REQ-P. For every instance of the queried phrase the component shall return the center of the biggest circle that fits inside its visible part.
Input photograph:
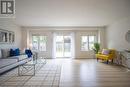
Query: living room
(63, 32)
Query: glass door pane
(91, 42)
(63, 46)
(67, 46)
(59, 46)
(42, 43)
(84, 43)
(35, 42)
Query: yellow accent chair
(108, 56)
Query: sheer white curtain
(72, 45)
(54, 46)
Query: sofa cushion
(6, 62)
(5, 53)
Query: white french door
(63, 46)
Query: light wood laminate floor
(70, 73)
(90, 73)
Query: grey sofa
(7, 63)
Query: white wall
(8, 24)
(102, 37)
(70, 12)
(116, 34)
(98, 31)
(25, 38)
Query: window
(39, 43)
(87, 42)
(84, 43)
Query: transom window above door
(39, 42)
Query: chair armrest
(99, 52)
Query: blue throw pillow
(17, 52)
(28, 52)
(11, 52)
(14, 52)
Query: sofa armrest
(13, 57)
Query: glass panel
(35, 42)
(59, 38)
(90, 46)
(63, 46)
(67, 46)
(42, 43)
(91, 42)
(39, 43)
(91, 39)
(59, 46)
(84, 43)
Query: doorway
(63, 46)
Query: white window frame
(39, 43)
(88, 43)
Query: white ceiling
(70, 12)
